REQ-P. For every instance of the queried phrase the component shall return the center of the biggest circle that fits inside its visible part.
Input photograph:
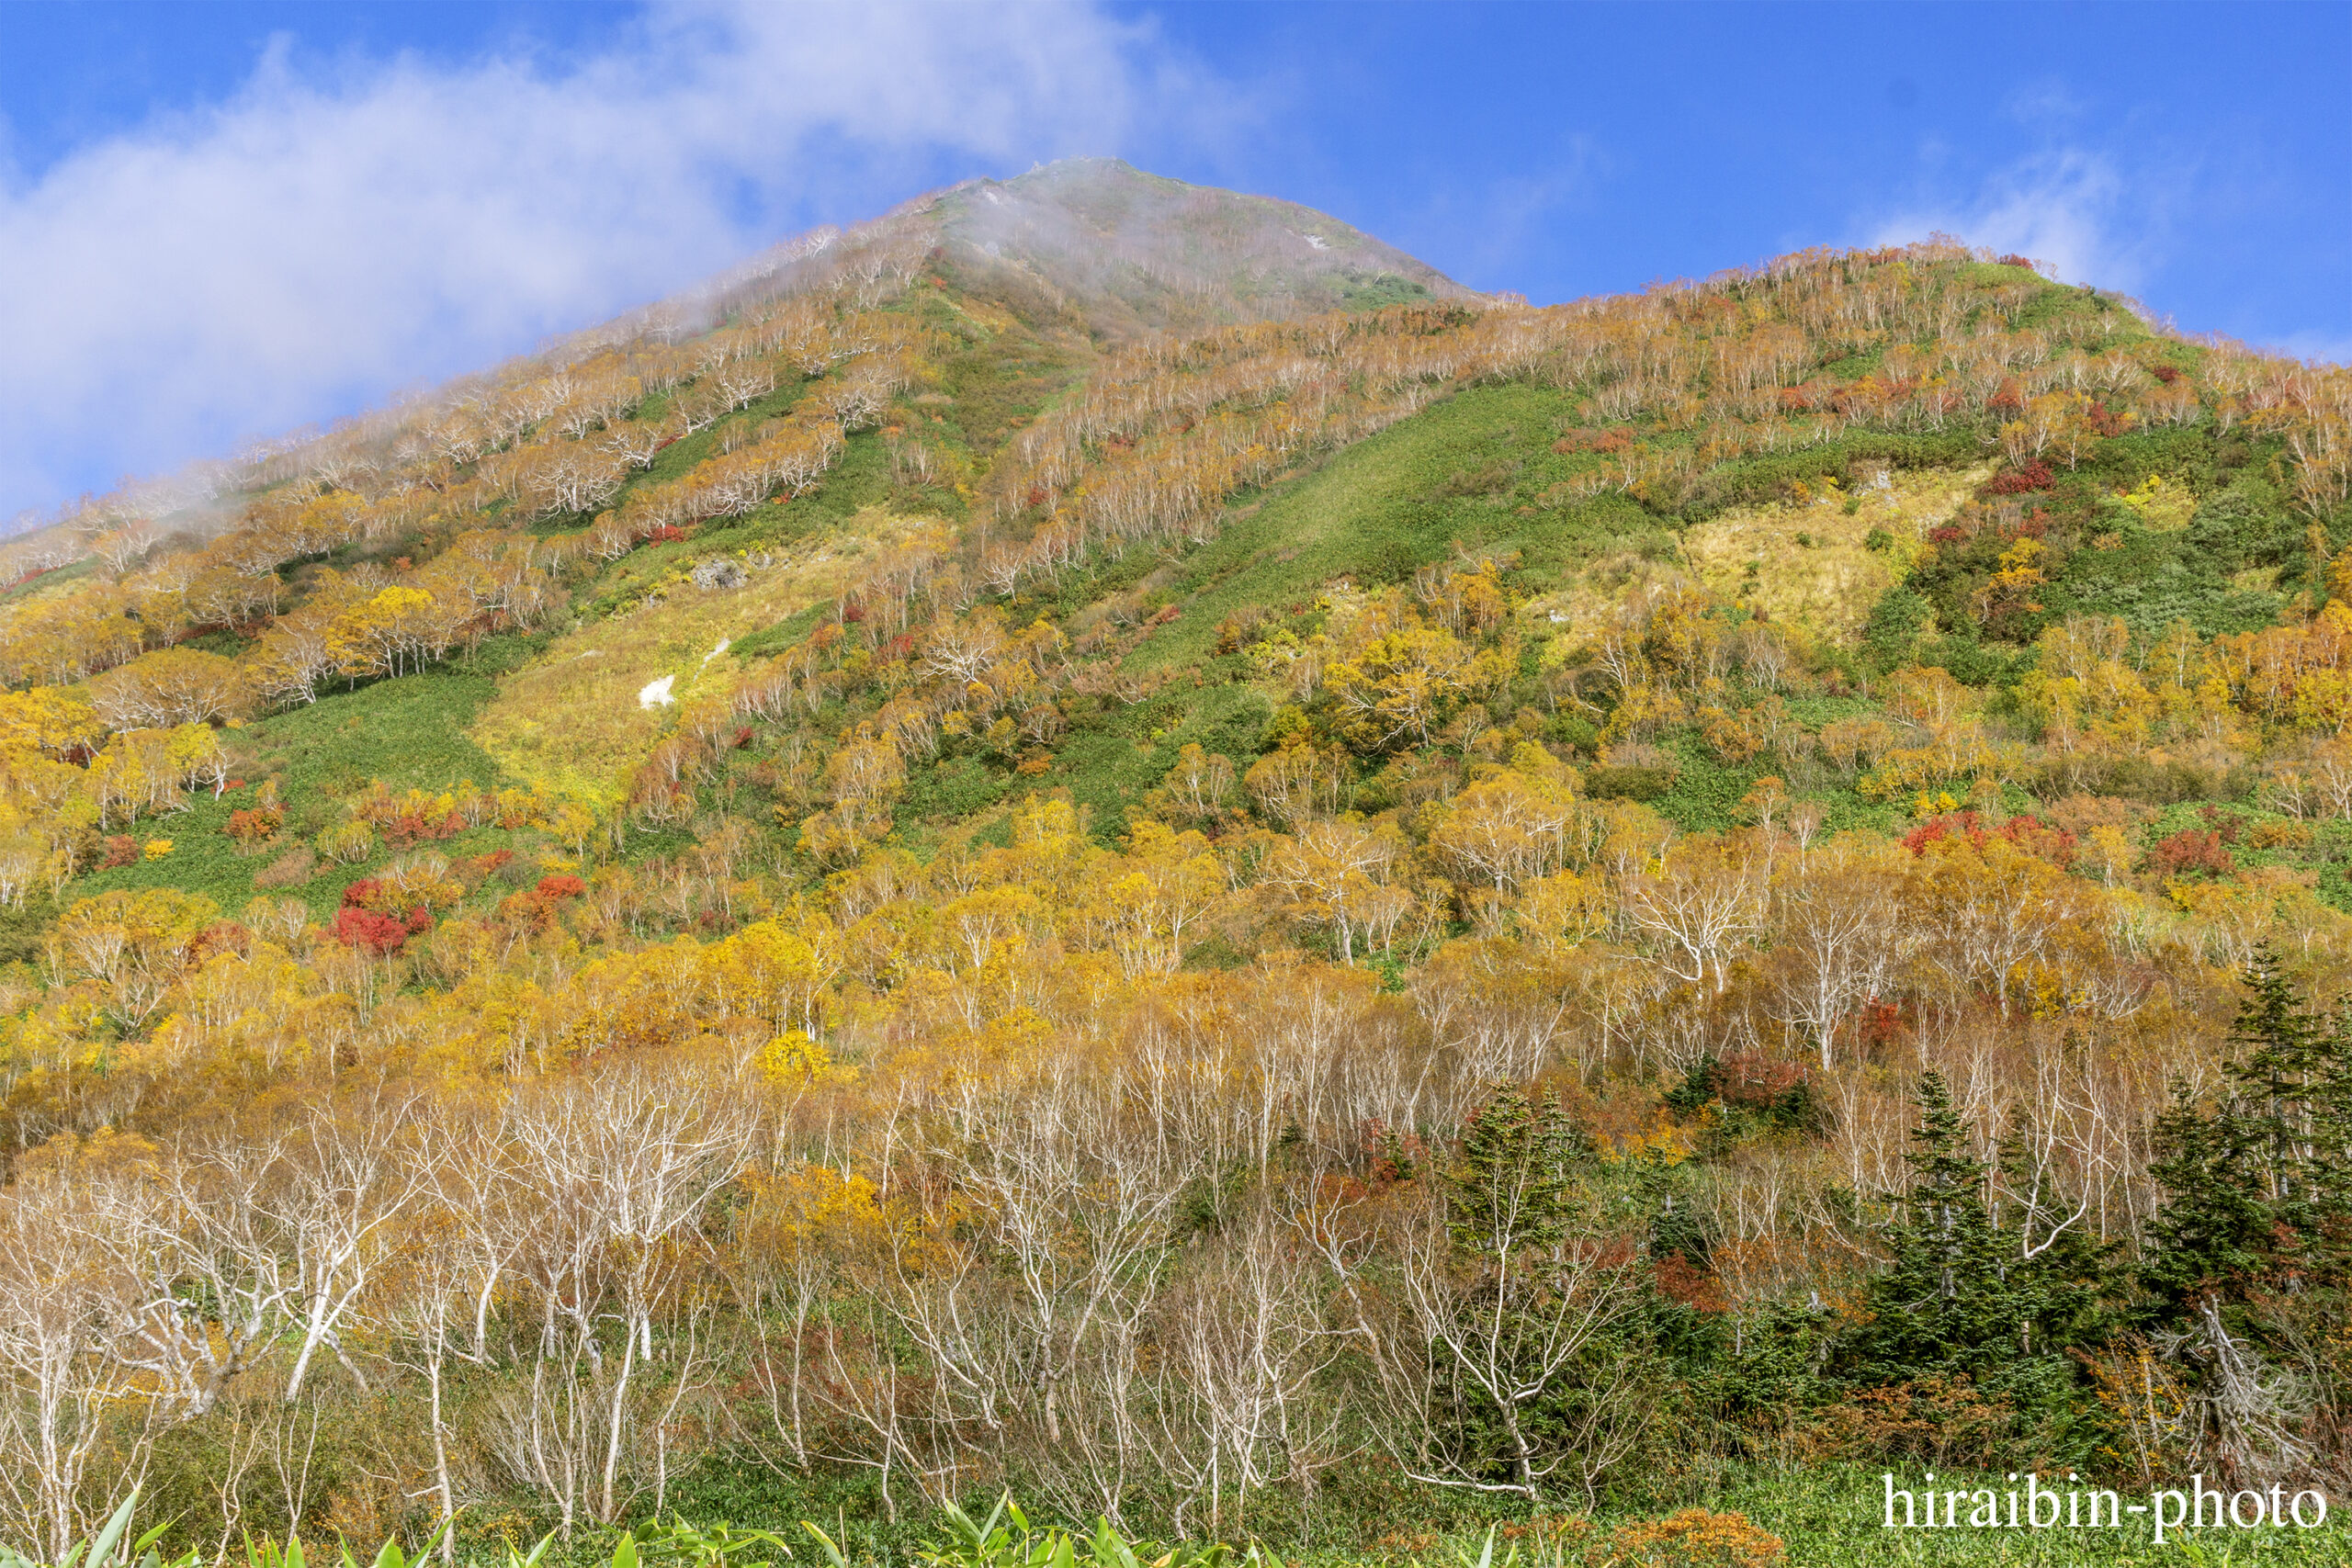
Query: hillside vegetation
(1103, 839)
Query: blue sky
(222, 221)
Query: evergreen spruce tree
(2331, 1136)
(1509, 1191)
(2061, 1275)
(2256, 1188)
(1538, 1328)
(2281, 1046)
(2249, 1246)
(2214, 1231)
(1947, 1304)
(1963, 1299)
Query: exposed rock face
(720, 571)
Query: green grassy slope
(1478, 473)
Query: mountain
(965, 860)
(1117, 252)
(1134, 252)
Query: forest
(1329, 927)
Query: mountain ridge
(893, 877)
(1170, 291)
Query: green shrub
(1607, 782)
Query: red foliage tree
(2190, 852)
(380, 934)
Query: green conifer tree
(2281, 1047)
(2331, 1134)
(1536, 1320)
(1944, 1305)
(1509, 1191)
(2255, 1186)
(1970, 1293)
(2214, 1233)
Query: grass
(783, 633)
(1828, 584)
(1004, 377)
(1378, 290)
(35, 586)
(2153, 579)
(1465, 471)
(1111, 759)
(1832, 1516)
(1112, 762)
(572, 722)
(857, 487)
(1826, 1516)
(410, 733)
(681, 456)
(952, 789)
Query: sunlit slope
(582, 716)
(1003, 792)
(1088, 418)
(1822, 560)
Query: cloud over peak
(2063, 206)
(329, 232)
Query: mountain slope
(924, 410)
(928, 400)
(1070, 766)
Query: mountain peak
(1133, 250)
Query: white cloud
(2045, 101)
(333, 231)
(2069, 208)
(2332, 348)
(1489, 229)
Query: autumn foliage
(1454, 1023)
